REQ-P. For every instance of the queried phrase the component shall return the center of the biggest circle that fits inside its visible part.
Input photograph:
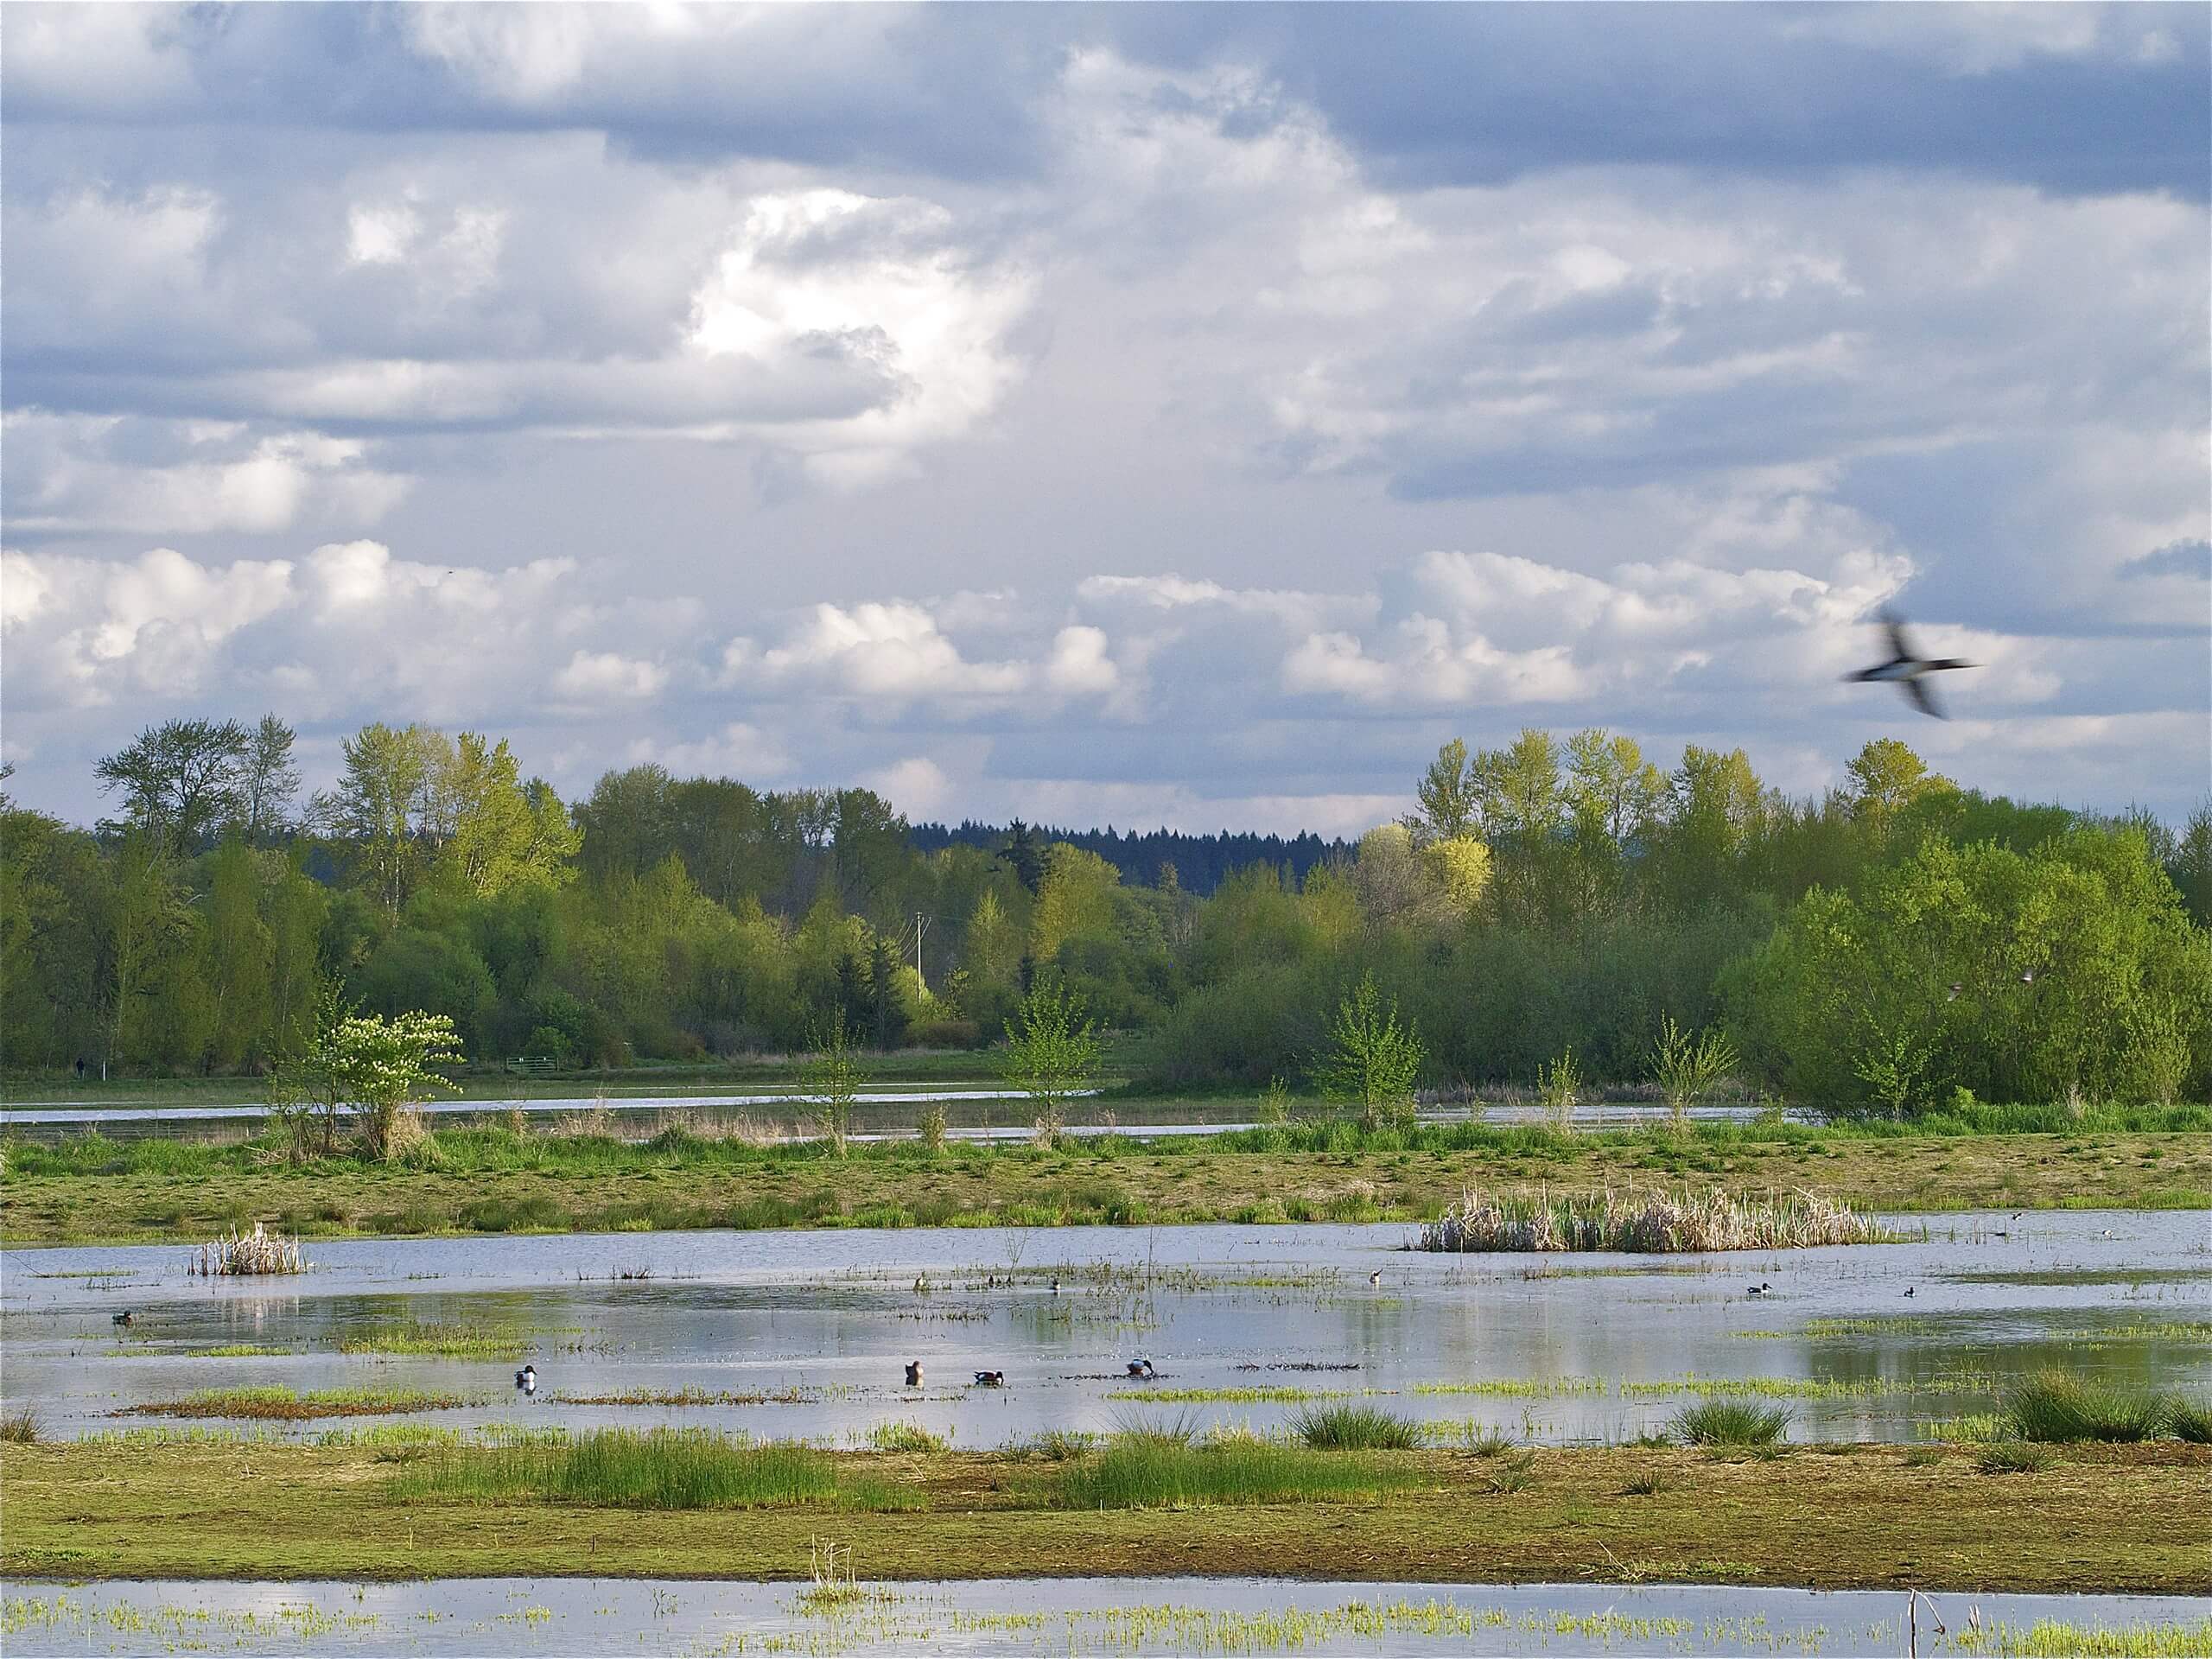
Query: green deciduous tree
(1373, 1060)
(376, 1065)
(1052, 1052)
(180, 780)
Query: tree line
(1881, 945)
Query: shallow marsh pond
(806, 1334)
(1062, 1616)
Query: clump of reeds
(258, 1252)
(830, 1568)
(1730, 1422)
(2191, 1419)
(2051, 1406)
(904, 1437)
(655, 1469)
(1645, 1222)
(2014, 1458)
(21, 1427)
(1350, 1427)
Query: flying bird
(1908, 670)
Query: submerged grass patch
(658, 1468)
(287, 1405)
(1646, 1223)
(441, 1341)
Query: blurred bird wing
(1893, 624)
(1922, 698)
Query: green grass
(21, 1427)
(2052, 1406)
(287, 1405)
(657, 1469)
(1140, 1474)
(90, 1187)
(1354, 1428)
(905, 1437)
(1730, 1422)
(2053, 1639)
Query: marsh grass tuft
(21, 1427)
(1349, 1427)
(905, 1437)
(1645, 1482)
(2014, 1458)
(1730, 1422)
(657, 1469)
(1643, 1223)
(2053, 1406)
(2191, 1419)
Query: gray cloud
(1080, 409)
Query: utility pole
(921, 927)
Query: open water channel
(1052, 1616)
(807, 1334)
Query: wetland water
(1039, 1616)
(805, 1334)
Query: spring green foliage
(376, 1065)
(832, 1078)
(1052, 1054)
(1686, 1067)
(1372, 1061)
(1556, 893)
(2076, 969)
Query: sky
(1139, 414)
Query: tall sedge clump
(1374, 1059)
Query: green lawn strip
(2105, 1519)
(166, 1191)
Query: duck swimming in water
(526, 1380)
(990, 1379)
